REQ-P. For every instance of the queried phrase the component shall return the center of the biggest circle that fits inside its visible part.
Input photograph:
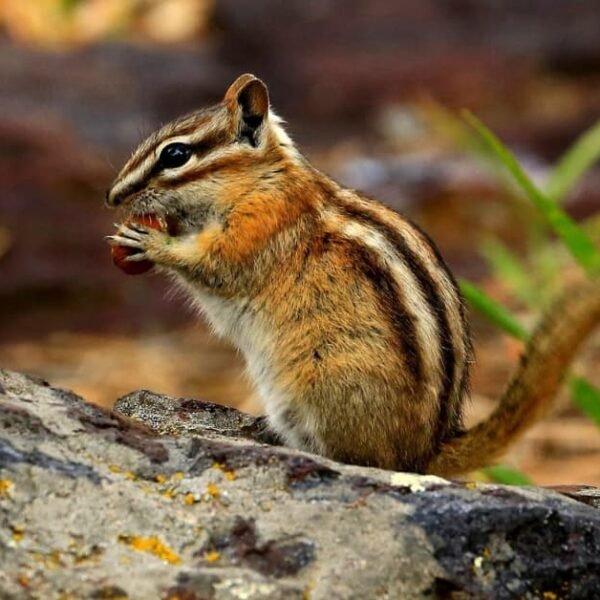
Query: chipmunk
(352, 326)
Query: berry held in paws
(125, 257)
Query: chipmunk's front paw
(146, 243)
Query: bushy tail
(549, 352)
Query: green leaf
(574, 163)
(507, 475)
(577, 241)
(494, 311)
(586, 396)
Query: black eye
(174, 155)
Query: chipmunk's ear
(248, 101)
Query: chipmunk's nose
(113, 198)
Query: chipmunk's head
(194, 166)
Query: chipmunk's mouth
(163, 221)
(176, 218)
(169, 223)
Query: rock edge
(171, 498)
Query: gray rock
(97, 504)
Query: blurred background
(372, 91)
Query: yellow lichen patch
(128, 474)
(6, 486)
(170, 493)
(17, 533)
(213, 490)
(229, 473)
(160, 479)
(212, 556)
(178, 476)
(23, 580)
(53, 560)
(90, 557)
(37, 556)
(309, 590)
(151, 545)
(470, 485)
(189, 499)
(549, 596)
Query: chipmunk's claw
(136, 257)
(119, 240)
(129, 236)
(147, 243)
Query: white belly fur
(246, 330)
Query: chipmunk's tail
(543, 365)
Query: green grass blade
(495, 312)
(586, 396)
(509, 269)
(574, 163)
(507, 475)
(577, 241)
(68, 6)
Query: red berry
(120, 253)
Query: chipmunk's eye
(174, 155)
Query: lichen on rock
(174, 498)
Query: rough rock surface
(96, 505)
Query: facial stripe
(128, 177)
(224, 161)
(148, 148)
(202, 142)
(197, 130)
(429, 290)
